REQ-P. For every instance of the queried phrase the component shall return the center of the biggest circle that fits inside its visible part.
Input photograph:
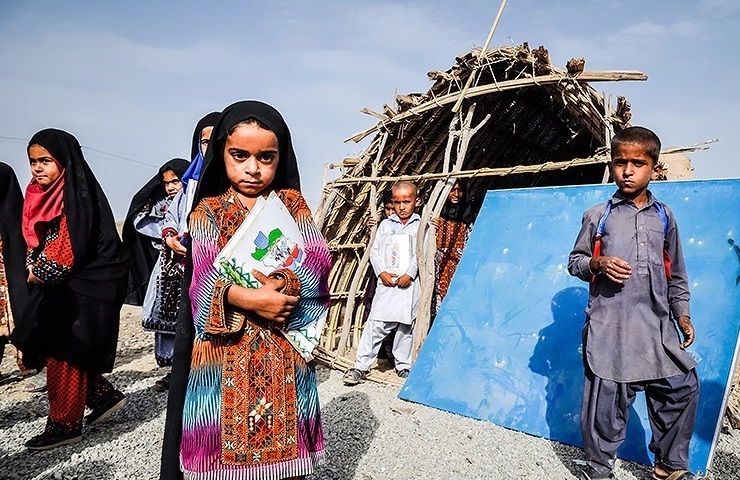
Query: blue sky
(132, 78)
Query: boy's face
(404, 201)
(632, 169)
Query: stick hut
(501, 118)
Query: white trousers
(372, 337)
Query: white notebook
(397, 256)
(267, 240)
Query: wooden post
(426, 248)
(349, 308)
(608, 132)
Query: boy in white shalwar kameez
(393, 257)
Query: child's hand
(687, 328)
(615, 269)
(174, 244)
(403, 281)
(387, 279)
(274, 283)
(371, 221)
(436, 221)
(270, 303)
(33, 278)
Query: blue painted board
(506, 344)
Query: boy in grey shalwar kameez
(630, 251)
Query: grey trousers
(671, 404)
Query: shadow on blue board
(506, 344)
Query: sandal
(162, 385)
(354, 376)
(675, 475)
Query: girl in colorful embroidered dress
(77, 266)
(452, 228)
(250, 409)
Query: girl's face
(44, 167)
(172, 183)
(205, 138)
(388, 209)
(251, 156)
(456, 194)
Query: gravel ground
(371, 435)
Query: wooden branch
(349, 308)
(481, 172)
(451, 98)
(379, 116)
(426, 249)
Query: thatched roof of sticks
(502, 118)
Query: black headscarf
(78, 320)
(213, 181)
(460, 211)
(14, 246)
(207, 121)
(142, 253)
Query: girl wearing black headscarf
(177, 213)
(143, 236)
(77, 267)
(452, 228)
(142, 229)
(13, 284)
(243, 402)
(160, 311)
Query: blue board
(506, 344)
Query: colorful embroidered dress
(252, 407)
(451, 238)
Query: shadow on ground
(349, 429)
(143, 406)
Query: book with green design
(267, 240)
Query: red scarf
(41, 206)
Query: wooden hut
(502, 118)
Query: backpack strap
(660, 209)
(666, 256)
(600, 232)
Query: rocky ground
(371, 435)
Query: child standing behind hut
(397, 297)
(452, 228)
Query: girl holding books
(243, 401)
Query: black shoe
(403, 373)
(589, 473)
(354, 376)
(47, 441)
(162, 385)
(116, 402)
